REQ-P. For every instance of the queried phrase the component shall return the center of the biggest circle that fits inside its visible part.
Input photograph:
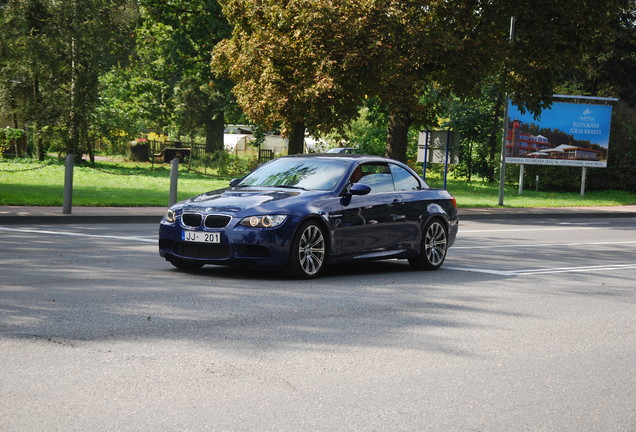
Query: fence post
(174, 176)
(68, 183)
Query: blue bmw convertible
(302, 212)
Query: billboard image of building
(567, 134)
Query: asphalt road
(529, 326)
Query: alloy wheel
(311, 250)
(435, 244)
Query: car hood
(235, 200)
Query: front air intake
(217, 221)
(192, 220)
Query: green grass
(107, 184)
(481, 194)
(122, 184)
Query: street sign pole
(502, 171)
(424, 164)
(448, 139)
(583, 177)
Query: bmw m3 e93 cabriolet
(300, 213)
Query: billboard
(567, 134)
(438, 147)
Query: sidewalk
(18, 215)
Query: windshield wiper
(290, 187)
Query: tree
(477, 120)
(308, 61)
(461, 44)
(601, 66)
(92, 35)
(367, 132)
(10, 136)
(175, 49)
(290, 62)
(25, 64)
(607, 68)
(127, 105)
(56, 52)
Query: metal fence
(158, 150)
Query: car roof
(349, 156)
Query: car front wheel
(308, 251)
(433, 247)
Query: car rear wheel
(185, 264)
(433, 247)
(308, 251)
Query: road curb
(16, 215)
(540, 215)
(80, 219)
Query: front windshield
(302, 173)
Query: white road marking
(513, 246)
(577, 269)
(478, 270)
(509, 273)
(75, 234)
(584, 223)
(545, 270)
(530, 229)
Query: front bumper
(266, 247)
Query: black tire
(433, 247)
(185, 264)
(308, 252)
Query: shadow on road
(98, 290)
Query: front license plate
(201, 237)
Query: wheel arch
(323, 225)
(294, 268)
(435, 211)
(424, 260)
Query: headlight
(265, 221)
(170, 216)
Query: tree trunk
(297, 138)
(14, 116)
(72, 138)
(39, 146)
(214, 133)
(397, 134)
(75, 91)
(87, 142)
(37, 137)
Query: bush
(621, 162)
(139, 151)
(10, 137)
(226, 164)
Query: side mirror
(359, 189)
(234, 182)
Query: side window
(404, 180)
(376, 176)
